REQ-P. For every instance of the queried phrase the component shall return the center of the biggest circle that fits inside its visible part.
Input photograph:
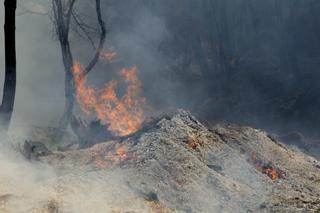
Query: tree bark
(69, 86)
(62, 20)
(9, 88)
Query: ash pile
(174, 164)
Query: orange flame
(266, 168)
(122, 116)
(111, 158)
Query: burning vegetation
(104, 159)
(266, 168)
(177, 165)
(122, 115)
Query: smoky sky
(39, 70)
(249, 62)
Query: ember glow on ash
(122, 115)
(266, 168)
(112, 157)
(191, 143)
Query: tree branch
(103, 33)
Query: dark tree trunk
(9, 88)
(62, 21)
(69, 86)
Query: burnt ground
(176, 165)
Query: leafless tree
(63, 12)
(9, 89)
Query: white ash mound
(174, 164)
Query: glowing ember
(191, 143)
(111, 158)
(100, 162)
(266, 168)
(121, 152)
(122, 116)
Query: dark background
(242, 61)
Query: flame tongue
(122, 116)
(268, 169)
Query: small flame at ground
(266, 168)
(112, 157)
(122, 116)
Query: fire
(122, 116)
(121, 152)
(114, 156)
(266, 168)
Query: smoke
(37, 187)
(225, 61)
(253, 63)
(40, 76)
(22, 182)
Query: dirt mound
(178, 165)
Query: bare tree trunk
(62, 22)
(69, 86)
(62, 16)
(9, 88)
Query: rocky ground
(173, 164)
